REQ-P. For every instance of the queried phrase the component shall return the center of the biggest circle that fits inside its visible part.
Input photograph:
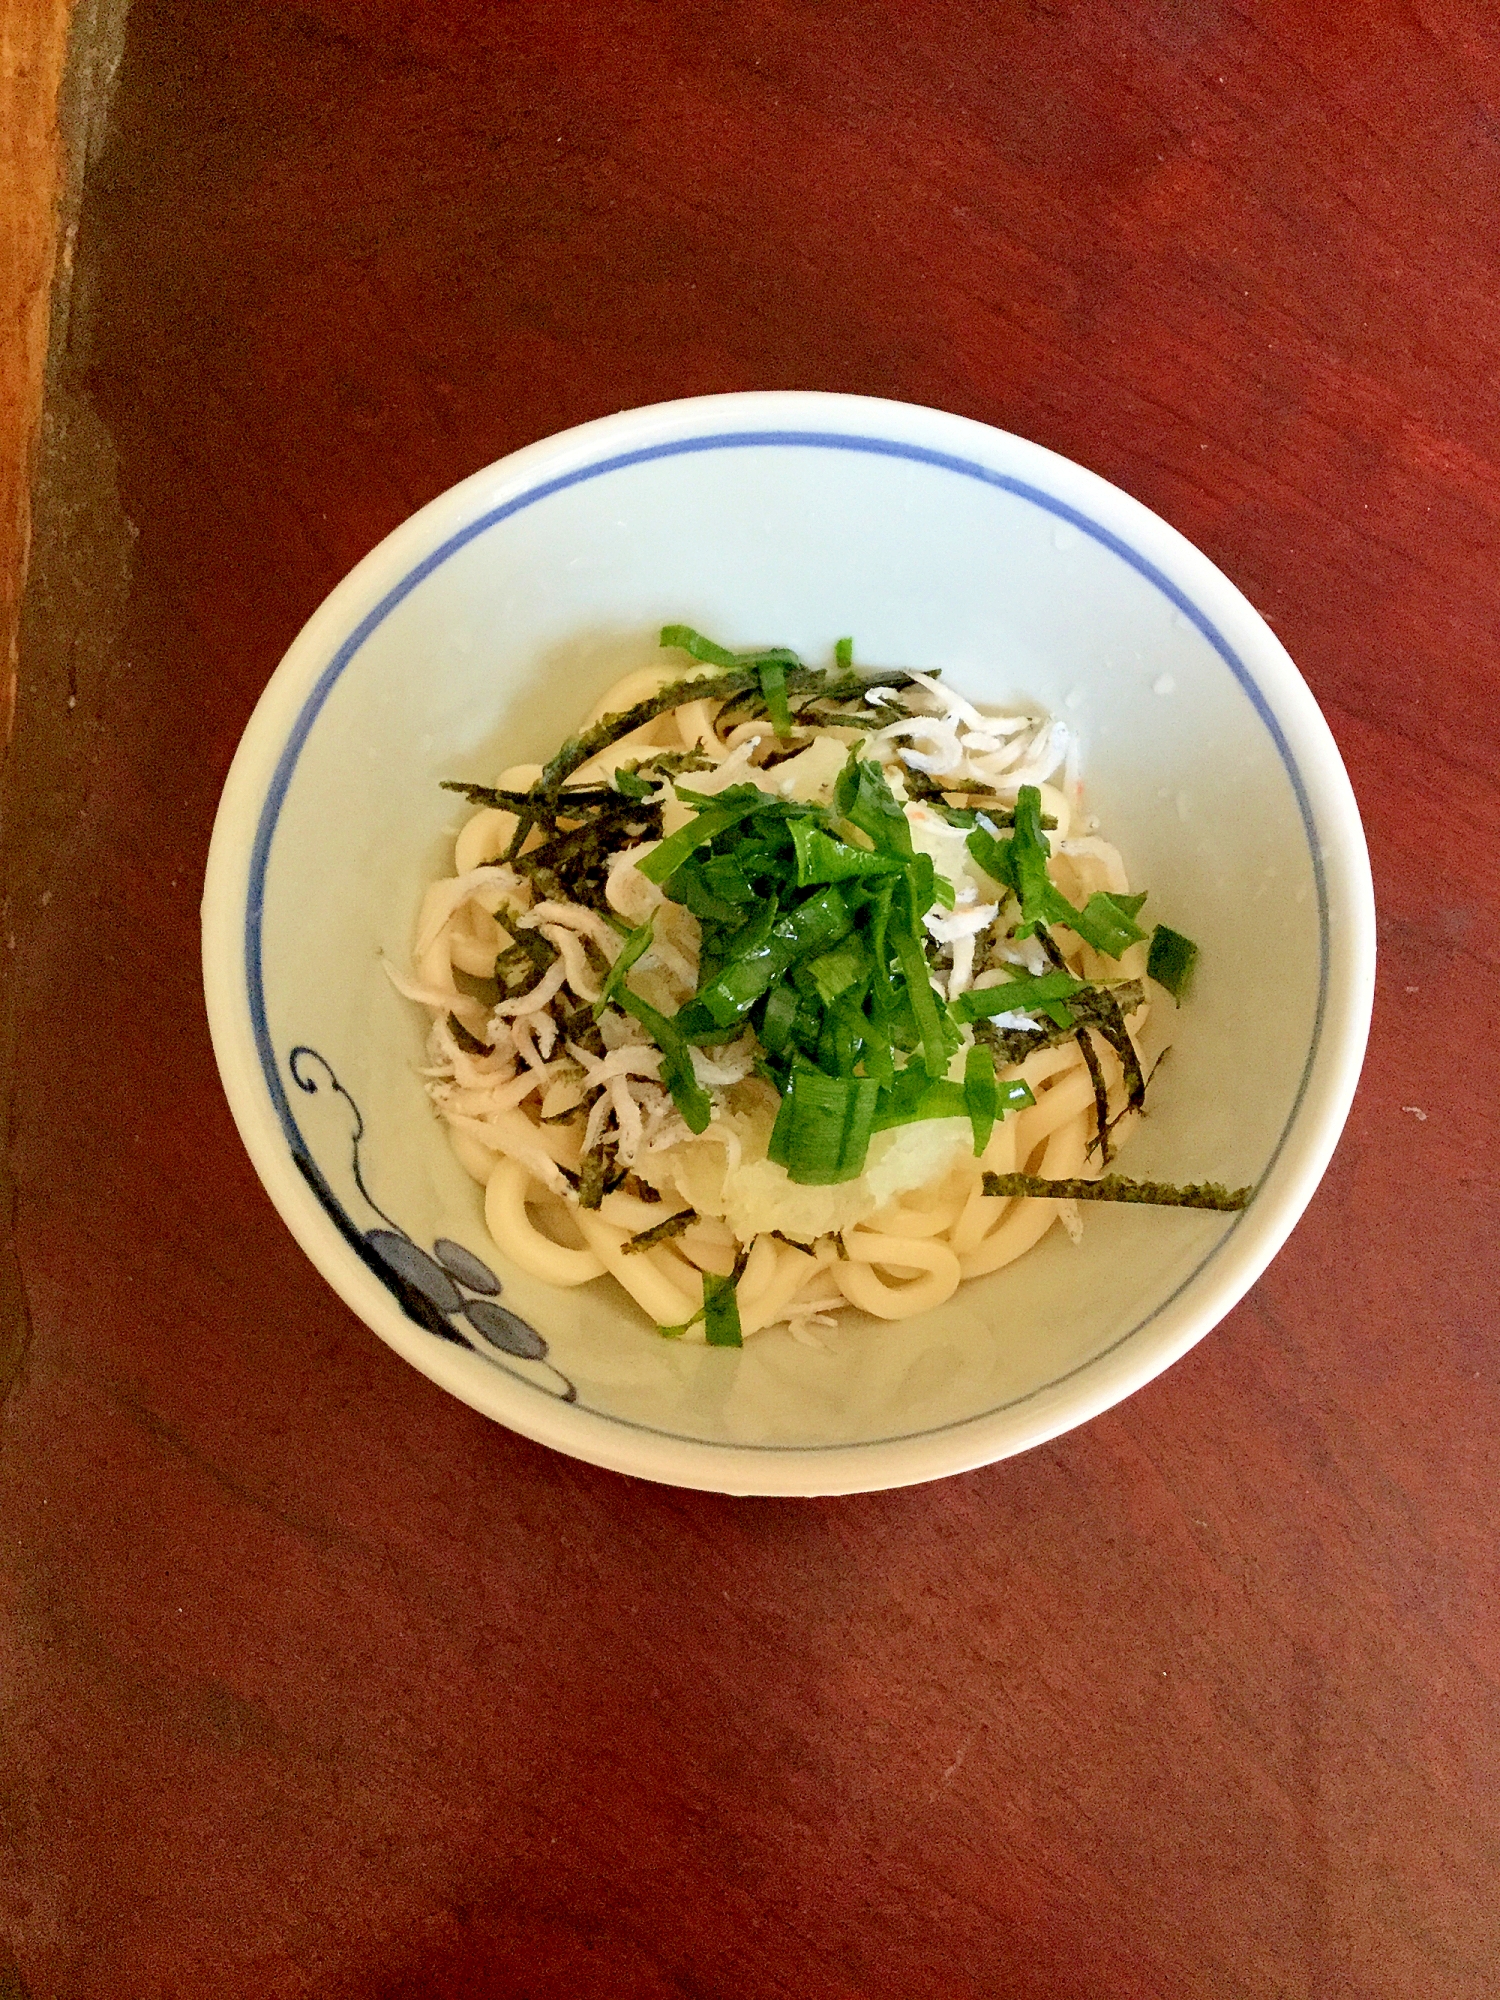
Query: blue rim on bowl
(384, 1282)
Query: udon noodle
(530, 1085)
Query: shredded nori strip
(1015, 1044)
(660, 764)
(580, 1026)
(821, 693)
(738, 687)
(547, 808)
(577, 750)
(1097, 1003)
(572, 865)
(560, 1117)
(1101, 1095)
(1109, 1018)
(1046, 940)
(1116, 1187)
(1123, 1114)
(815, 715)
(599, 1174)
(919, 786)
(932, 791)
(792, 746)
(1146, 1083)
(586, 799)
(591, 1180)
(470, 1044)
(660, 1232)
(586, 827)
(522, 964)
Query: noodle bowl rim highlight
(235, 887)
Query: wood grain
(318, 1684)
(33, 36)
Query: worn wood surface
(33, 35)
(314, 1682)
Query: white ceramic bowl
(476, 635)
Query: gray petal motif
(502, 1329)
(465, 1266)
(416, 1267)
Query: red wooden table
(314, 1682)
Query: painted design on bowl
(447, 1290)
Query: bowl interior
(480, 639)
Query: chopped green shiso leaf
(813, 935)
(630, 951)
(631, 785)
(822, 1131)
(1019, 863)
(686, 640)
(714, 817)
(1042, 993)
(721, 1310)
(814, 938)
(811, 921)
(677, 1072)
(1171, 960)
(773, 686)
(823, 857)
(981, 1094)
